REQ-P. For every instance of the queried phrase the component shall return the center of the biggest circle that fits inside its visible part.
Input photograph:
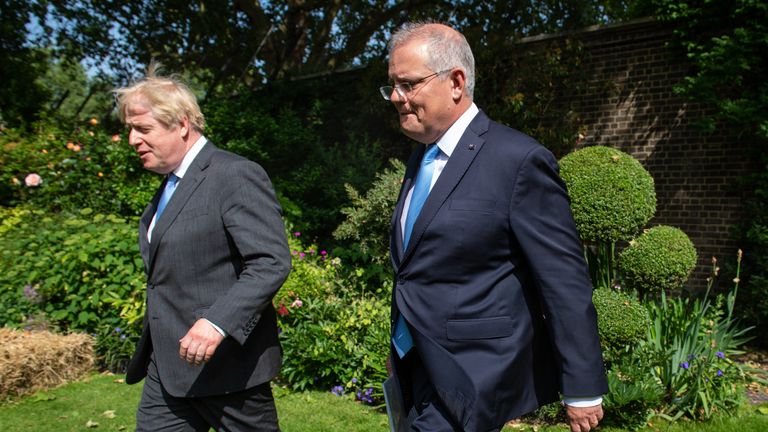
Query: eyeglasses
(405, 88)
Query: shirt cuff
(218, 329)
(583, 402)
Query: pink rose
(297, 303)
(33, 180)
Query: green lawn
(102, 399)
(104, 403)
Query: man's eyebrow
(400, 79)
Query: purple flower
(338, 390)
(30, 292)
(354, 380)
(719, 372)
(720, 354)
(118, 329)
(302, 254)
(295, 252)
(297, 234)
(366, 397)
(323, 252)
(684, 365)
(311, 251)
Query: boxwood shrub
(621, 319)
(661, 259)
(612, 195)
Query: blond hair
(169, 99)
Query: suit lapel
(468, 147)
(146, 219)
(187, 185)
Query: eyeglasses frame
(405, 88)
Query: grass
(105, 403)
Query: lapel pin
(471, 146)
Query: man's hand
(583, 419)
(200, 342)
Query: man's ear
(458, 83)
(184, 127)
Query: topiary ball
(621, 320)
(661, 258)
(612, 195)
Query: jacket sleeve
(252, 219)
(543, 225)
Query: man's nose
(395, 97)
(133, 139)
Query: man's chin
(416, 135)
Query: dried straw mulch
(38, 360)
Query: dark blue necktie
(402, 340)
(170, 187)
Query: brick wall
(629, 104)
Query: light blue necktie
(420, 190)
(170, 187)
(402, 340)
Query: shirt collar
(190, 156)
(451, 137)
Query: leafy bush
(622, 321)
(78, 270)
(366, 227)
(633, 393)
(695, 340)
(332, 341)
(314, 274)
(335, 335)
(661, 259)
(60, 170)
(115, 342)
(73, 272)
(612, 195)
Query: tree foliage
(21, 96)
(251, 42)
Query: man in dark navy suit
(492, 312)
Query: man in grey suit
(215, 253)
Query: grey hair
(446, 50)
